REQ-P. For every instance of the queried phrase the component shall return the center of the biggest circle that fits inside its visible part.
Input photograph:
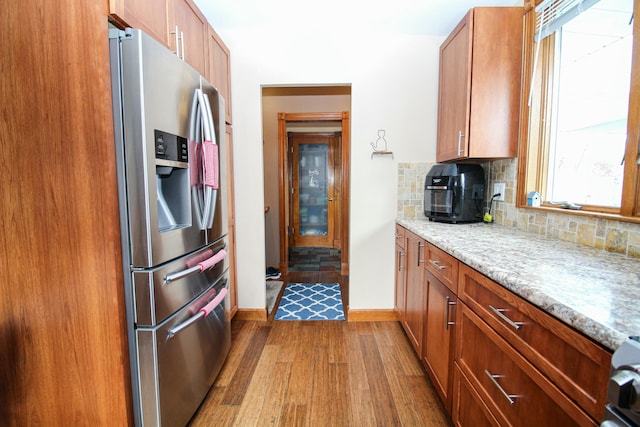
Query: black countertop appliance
(454, 193)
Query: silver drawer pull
(398, 236)
(420, 246)
(499, 312)
(437, 265)
(448, 305)
(507, 396)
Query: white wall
(394, 82)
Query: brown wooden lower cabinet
(400, 273)
(493, 357)
(415, 302)
(468, 407)
(515, 392)
(437, 352)
(577, 365)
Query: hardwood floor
(329, 373)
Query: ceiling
(424, 17)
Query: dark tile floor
(303, 258)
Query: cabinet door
(400, 272)
(454, 92)
(219, 70)
(148, 15)
(437, 354)
(231, 251)
(479, 91)
(191, 39)
(496, 76)
(400, 291)
(416, 295)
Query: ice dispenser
(172, 181)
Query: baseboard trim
(344, 268)
(372, 315)
(257, 314)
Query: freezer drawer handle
(198, 268)
(203, 312)
(208, 263)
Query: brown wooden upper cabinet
(479, 91)
(188, 33)
(148, 15)
(219, 72)
(181, 26)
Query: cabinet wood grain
(62, 322)
(400, 273)
(178, 24)
(468, 407)
(479, 90)
(219, 69)
(233, 276)
(151, 16)
(415, 304)
(437, 353)
(514, 390)
(563, 354)
(192, 39)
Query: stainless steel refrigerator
(170, 146)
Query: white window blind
(553, 14)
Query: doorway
(314, 192)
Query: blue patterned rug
(311, 301)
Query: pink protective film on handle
(210, 164)
(206, 264)
(195, 260)
(214, 303)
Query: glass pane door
(313, 189)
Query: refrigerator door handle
(210, 159)
(203, 192)
(172, 277)
(203, 312)
(198, 268)
(195, 160)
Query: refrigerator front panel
(182, 367)
(157, 90)
(161, 291)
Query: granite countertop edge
(521, 275)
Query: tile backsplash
(610, 235)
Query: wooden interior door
(312, 189)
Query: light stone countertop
(595, 291)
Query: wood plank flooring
(320, 373)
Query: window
(577, 107)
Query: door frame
(343, 215)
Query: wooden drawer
(577, 365)
(468, 408)
(401, 234)
(515, 392)
(443, 266)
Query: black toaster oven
(454, 193)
